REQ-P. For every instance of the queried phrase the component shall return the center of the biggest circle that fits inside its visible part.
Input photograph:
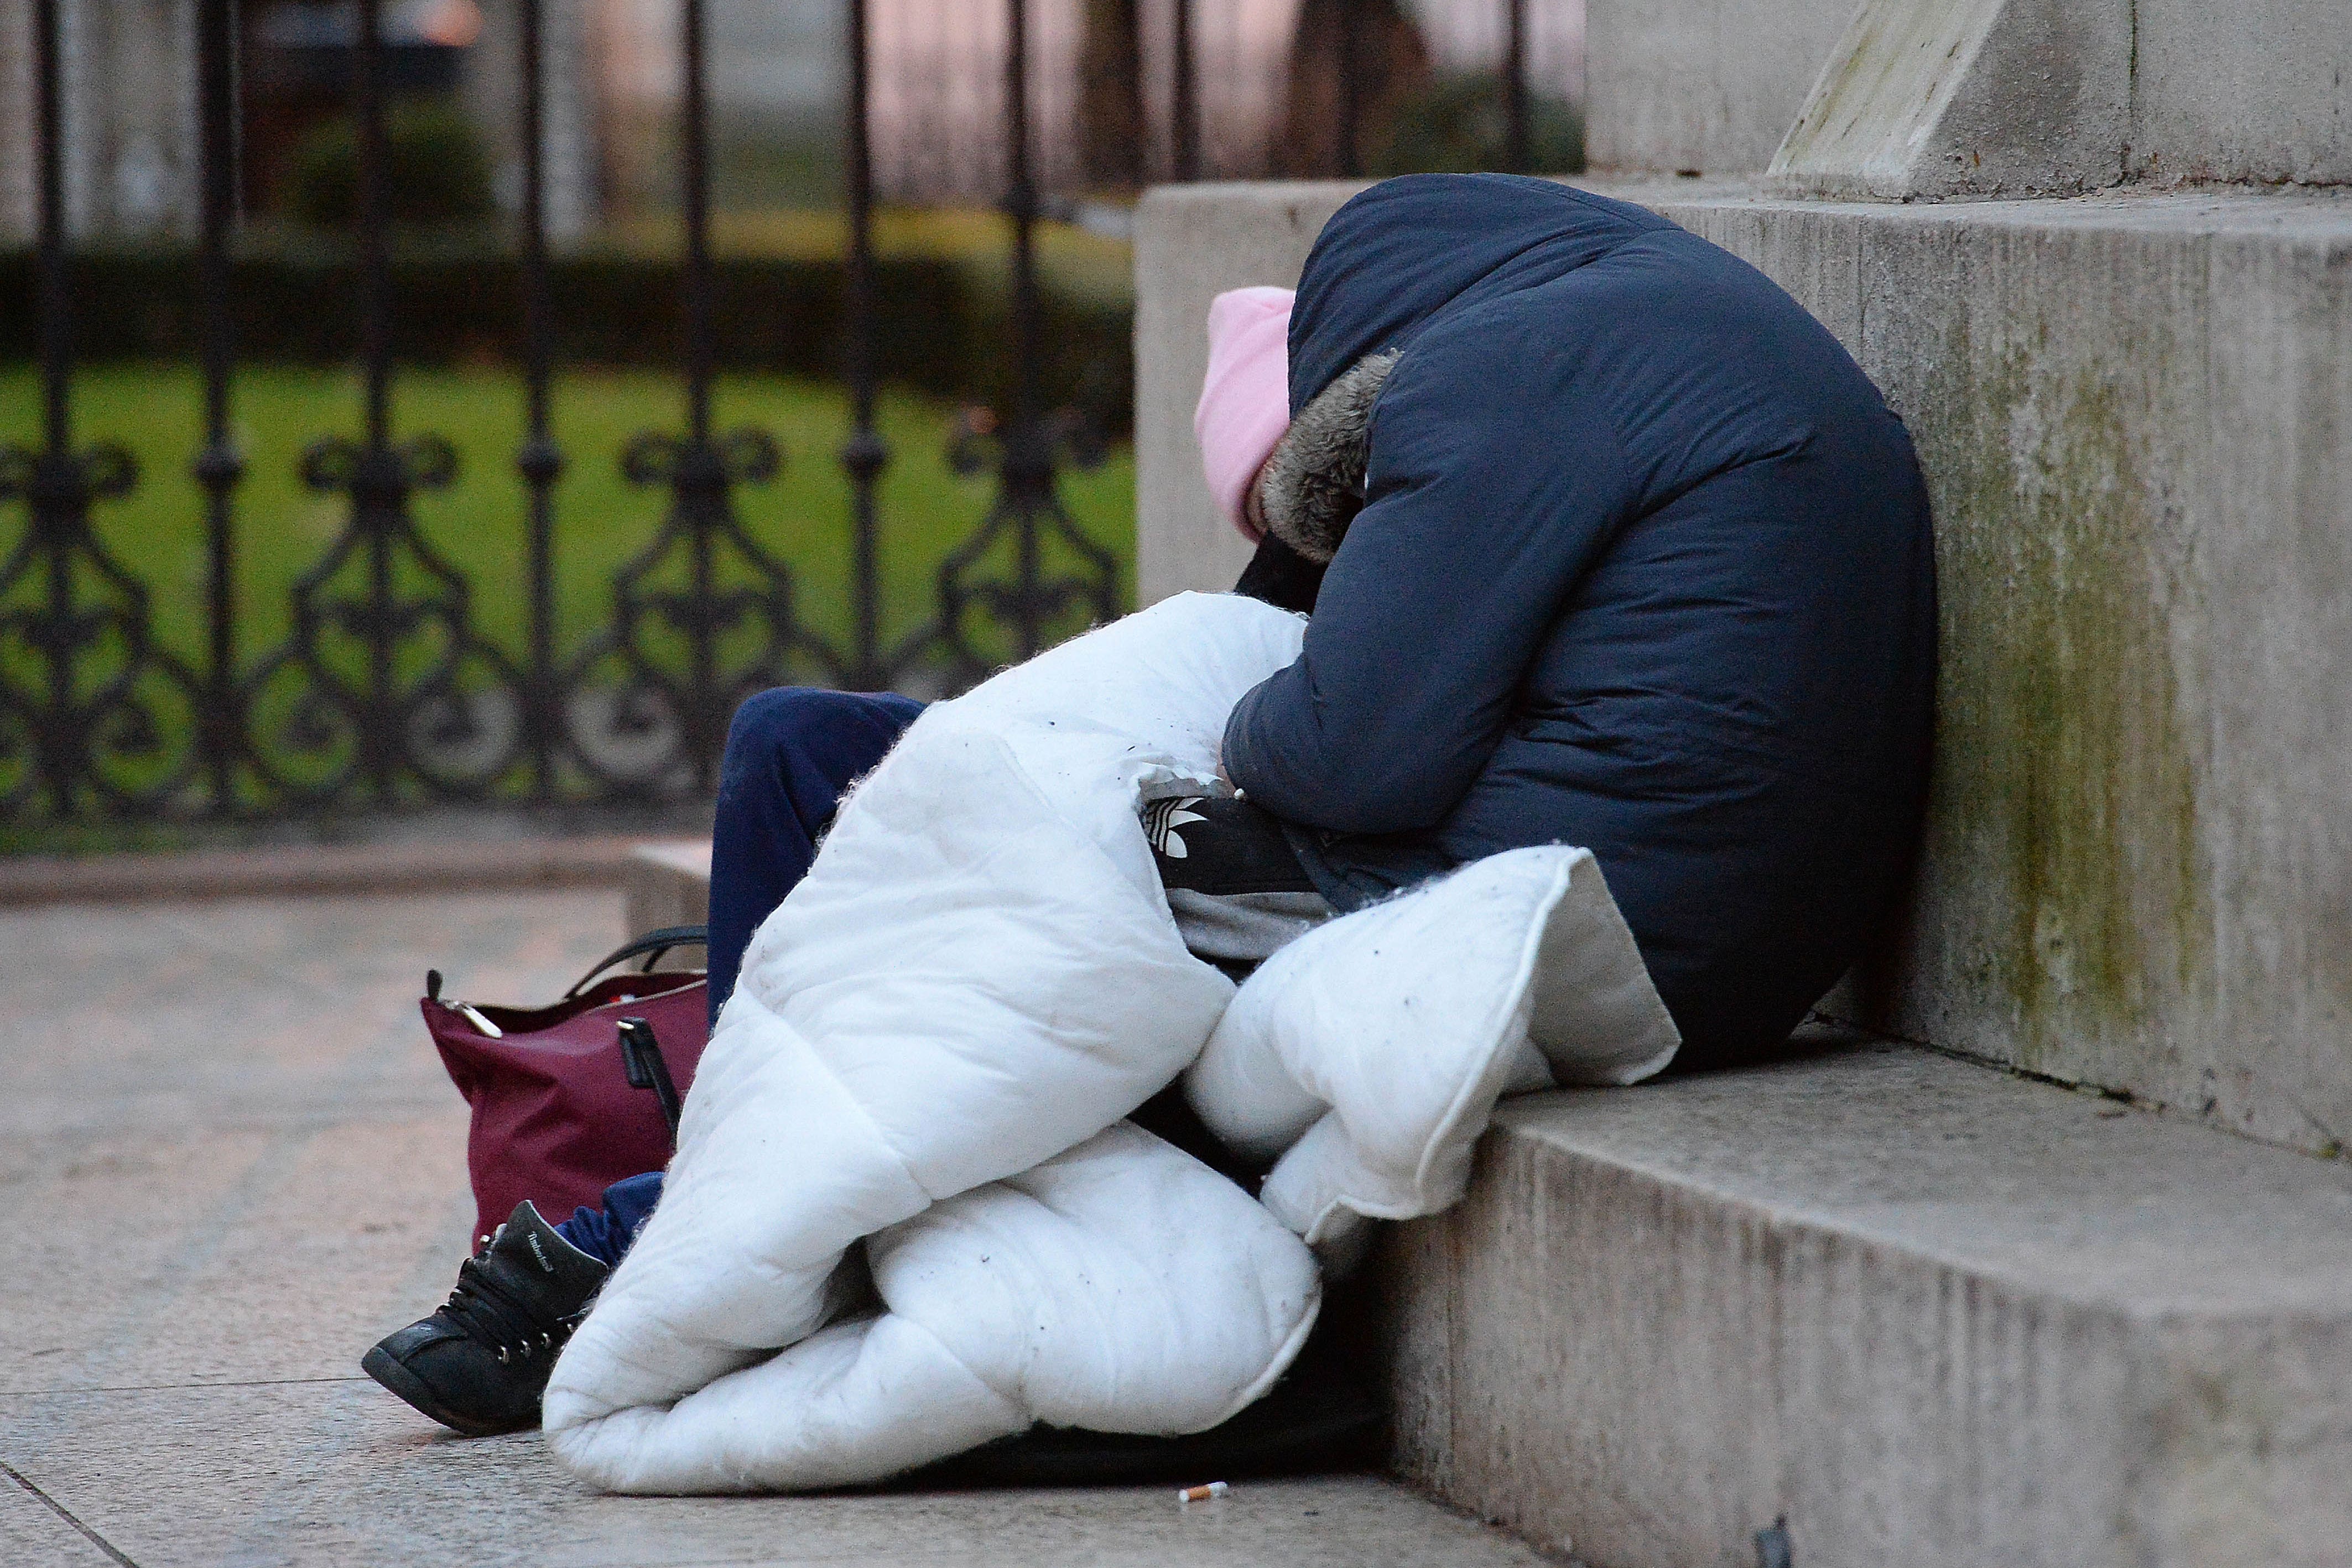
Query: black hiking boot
(481, 1364)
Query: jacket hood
(1410, 250)
(1396, 258)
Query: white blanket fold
(929, 1049)
(1369, 1054)
(1071, 1294)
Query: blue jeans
(792, 752)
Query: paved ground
(229, 1161)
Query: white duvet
(906, 1217)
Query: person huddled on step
(1607, 543)
(1604, 542)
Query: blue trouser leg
(605, 1233)
(791, 753)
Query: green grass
(802, 516)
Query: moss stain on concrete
(2064, 761)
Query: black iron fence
(385, 690)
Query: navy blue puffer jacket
(1642, 564)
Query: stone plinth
(2257, 91)
(2138, 872)
(1950, 97)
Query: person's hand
(1225, 778)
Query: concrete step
(1925, 1312)
(667, 882)
(410, 858)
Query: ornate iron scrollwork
(383, 682)
(88, 727)
(701, 618)
(1029, 569)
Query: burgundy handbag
(561, 1110)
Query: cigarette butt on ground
(1202, 1493)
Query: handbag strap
(653, 943)
(643, 1063)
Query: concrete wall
(1190, 242)
(2130, 410)
(1705, 84)
(2139, 870)
(2257, 89)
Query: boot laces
(492, 1316)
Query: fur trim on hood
(1312, 485)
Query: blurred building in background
(1267, 79)
(1269, 86)
(776, 85)
(129, 81)
(1102, 86)
(130, 84)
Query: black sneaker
(481, 1364)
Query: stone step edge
(1923, 1311)
(460, 865)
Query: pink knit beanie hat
(1246, 397)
